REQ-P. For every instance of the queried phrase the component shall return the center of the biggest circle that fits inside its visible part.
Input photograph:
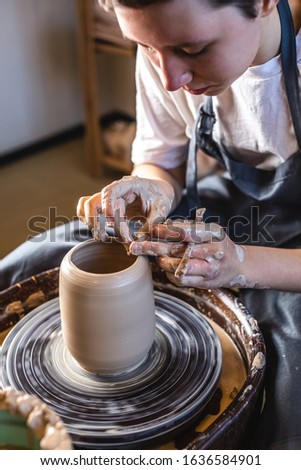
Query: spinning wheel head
(162, 395)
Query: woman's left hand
(195, 254)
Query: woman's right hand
(156, 198)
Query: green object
(15, 434)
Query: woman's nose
(174, 72)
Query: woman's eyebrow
(178, 45)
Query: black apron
(262, 207)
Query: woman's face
(196, 47)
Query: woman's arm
(202, 255)
(272, 268)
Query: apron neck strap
(289, 65)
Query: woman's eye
(193, 54)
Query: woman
(237, 60)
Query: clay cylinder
(107, 307)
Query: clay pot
(107, 307)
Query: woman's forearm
(272, 268)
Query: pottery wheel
(162, 395)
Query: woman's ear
(266, 7)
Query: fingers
(155, 197)
(188, 231)
(121, 227)
(80, 208)
(88, 208)
(172, 239)
(92, 210)
(88, 211)
(198, 273)
(128, 189)
(112, 199)
(116, 196)
(182, 268)
(190, 281)
(157, 248)
(207, 251)
(155, 203)
(207, 268)
(183, 261)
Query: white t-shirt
(253, 117)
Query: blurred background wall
(39, 81)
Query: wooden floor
(45, 186)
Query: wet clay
(107, 307)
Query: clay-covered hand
(195, 254)
(156, 199)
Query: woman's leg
(40, 253)
(279, 318)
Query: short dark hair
(249, 7)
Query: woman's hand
(195, 254)
(156, 198)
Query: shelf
(101, 46)
(92, 40)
